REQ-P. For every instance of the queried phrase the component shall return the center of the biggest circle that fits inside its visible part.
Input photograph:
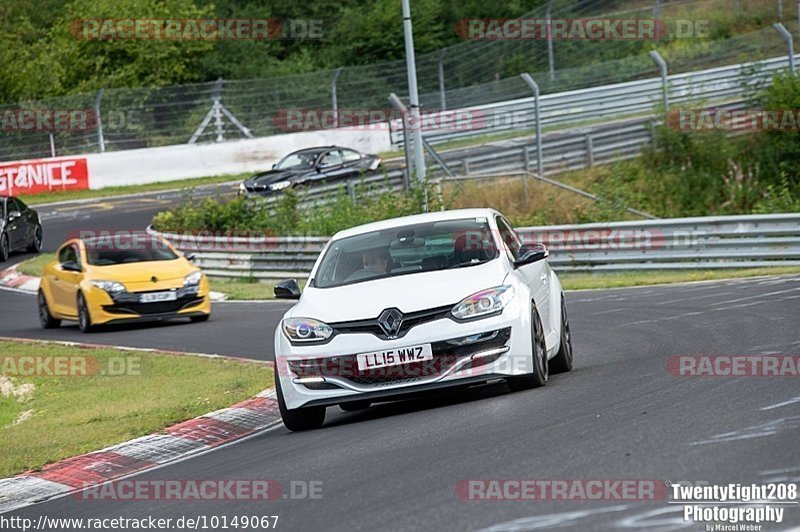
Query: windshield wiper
(464, 264)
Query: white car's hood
(408, 293)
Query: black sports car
(312, 165)
(20, 227)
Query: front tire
(45, 318)
(562, 362)
(297, 419)
(539, 355)
(36, 244)
(84, 318)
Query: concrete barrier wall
(169, 163)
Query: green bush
(285, 216)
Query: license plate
(153, 297)
(394, 357)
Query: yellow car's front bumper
(127, 306)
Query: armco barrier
(680, 243)
(632, 98)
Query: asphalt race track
(618, 415)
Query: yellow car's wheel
(45, 318)
(84, 319)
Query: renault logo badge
(390, 321)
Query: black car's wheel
(84, 319)
(36, 244)
(197, 319)
(310, 417)
(355, 406)
(562, 362)
(45, 318)
(538, 353)
(3, 247)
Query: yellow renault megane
(111, 279)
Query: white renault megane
(418, 303)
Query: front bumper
(328, 374)
(105, 308)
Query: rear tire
(562, 362)
(3, 247)
(36, 244)
(297, 419)
(538, 354)
(45, 318)
(84, 318)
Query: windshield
(302, 159)
(405, 250)
(110, 251)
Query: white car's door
(535, 274)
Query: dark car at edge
(309, 166)
(20, 227)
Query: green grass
(49, 197)
(247, 289)
(35, 265)
(582, 281)
(72, 415)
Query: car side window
(21, 207)
(332, 158)
(68, 254)
(510, 241)
(13, 206)
(350, 156)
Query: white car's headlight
(280, 185)
(110, 286)
(306, 330)
(484, 303)
(193, 279)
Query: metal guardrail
(605, 102)
(574, 149)
(679, 243)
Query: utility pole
(414, 114)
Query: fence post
(780, 28)
(101, 141)
(589, 150)
(441, 79)
(398, 104)
(780, 9)
(217, 108)
(334, 102)
(550, 59)
(52, 145)
(662, 65)
(657, 9)
(535, 87)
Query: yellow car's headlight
(110, 286)
(193, 279)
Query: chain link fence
(473, 72)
